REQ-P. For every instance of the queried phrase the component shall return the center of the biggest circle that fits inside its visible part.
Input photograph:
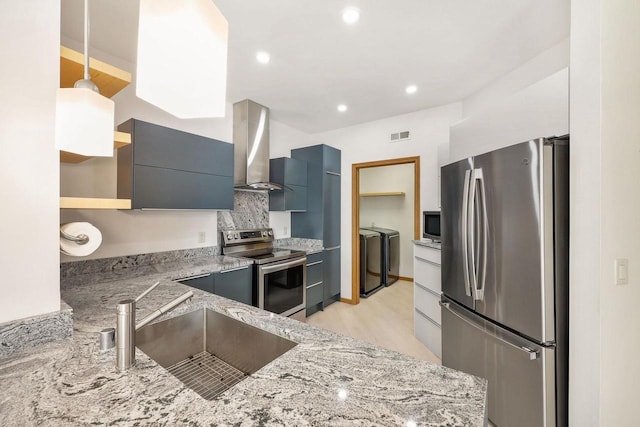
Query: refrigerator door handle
(471, 231)
(532, 354)
(478, 177)
(464, 230)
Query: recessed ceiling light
(351, 15)
(263, 57)
(411, 89)
(342, 108)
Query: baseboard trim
(408, 279)
(348, 301)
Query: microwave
(431, 225)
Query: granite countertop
(70, 382)
(428, 244)
(310, 246)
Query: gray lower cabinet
(235, 284)
(322, 218)
(165, 168)
(204, 282)
(332, 275)
(315, 283)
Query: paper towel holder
(80, 239)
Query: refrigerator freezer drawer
(428, 332)
(427, 274)
(520, 373)
(427, 301)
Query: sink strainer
(207, 375)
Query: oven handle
(283, 266)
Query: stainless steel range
(279, 275)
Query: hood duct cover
(251, 146)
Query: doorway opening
(355, 213)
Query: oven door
(282, 286)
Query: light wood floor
(384, 319)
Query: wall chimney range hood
(251, 146)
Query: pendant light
(84, 118)
(182, 57)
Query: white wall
(585, 201)
(369, 142)
(539, 110)
(394, 212)
(29, 76)
(620, 210)
(135, 231)
(538, 68)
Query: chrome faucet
(126, 326)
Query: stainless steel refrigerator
(505, 237)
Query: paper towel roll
(71, 248)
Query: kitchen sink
(209, 351)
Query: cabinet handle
(314, 263)
(197, 276)
(332, 173)
(427, 317)
(315, 284)
(233, 269)
(428, 260)
(284, 266)
(423, 287)
(332, 248)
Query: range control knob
(229, 236)
(236, 236)
(264, 234)
(270, 232)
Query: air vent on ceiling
(400, 136)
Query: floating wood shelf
(389, 193)
(91, 203)
(120, 140)
(109, 79)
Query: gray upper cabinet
(331, 198)
(166, 168)
(322, 218)
(310, 223)
(292, 175)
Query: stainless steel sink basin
(208, 351)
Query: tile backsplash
(250, 210)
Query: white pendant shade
(182, 57)
(84, 122)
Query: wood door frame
(355, 213)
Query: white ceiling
(448, 48)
